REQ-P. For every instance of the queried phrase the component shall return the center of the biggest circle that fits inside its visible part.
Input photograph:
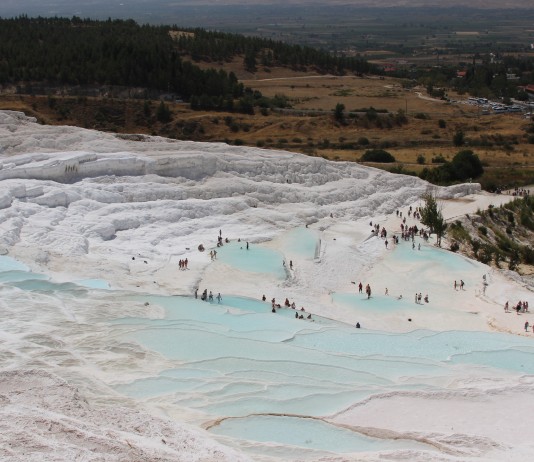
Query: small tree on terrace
(339, 112)
(432, 217)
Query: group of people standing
(205, 297)
(419, 298)
(521, 307)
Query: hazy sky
(209, 13)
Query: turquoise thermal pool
(236, 361)
(256, 259)
(273, 381)
(307, 433)
(304, 242)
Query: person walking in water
(219, 298)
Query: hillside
(499, 236)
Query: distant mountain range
(99, 7)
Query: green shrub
(377, 155)
(421, 115)
(439, 159)
(459, 138)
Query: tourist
(219, 298)
(196, 292)
(357, 325)
(461, 285)
(526, 326)
(426, 298)
(210, 296)
(291, 264)
(506, 308)
(264, 297)
(455, 286)
(360, 286)
(386, 292)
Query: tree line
(203, 45)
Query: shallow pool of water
(10, 264)
(94, 284)
(302, 241)
(307, 433)
(257, 259)
(231, 359)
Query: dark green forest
(85, 52)
(60, 51)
